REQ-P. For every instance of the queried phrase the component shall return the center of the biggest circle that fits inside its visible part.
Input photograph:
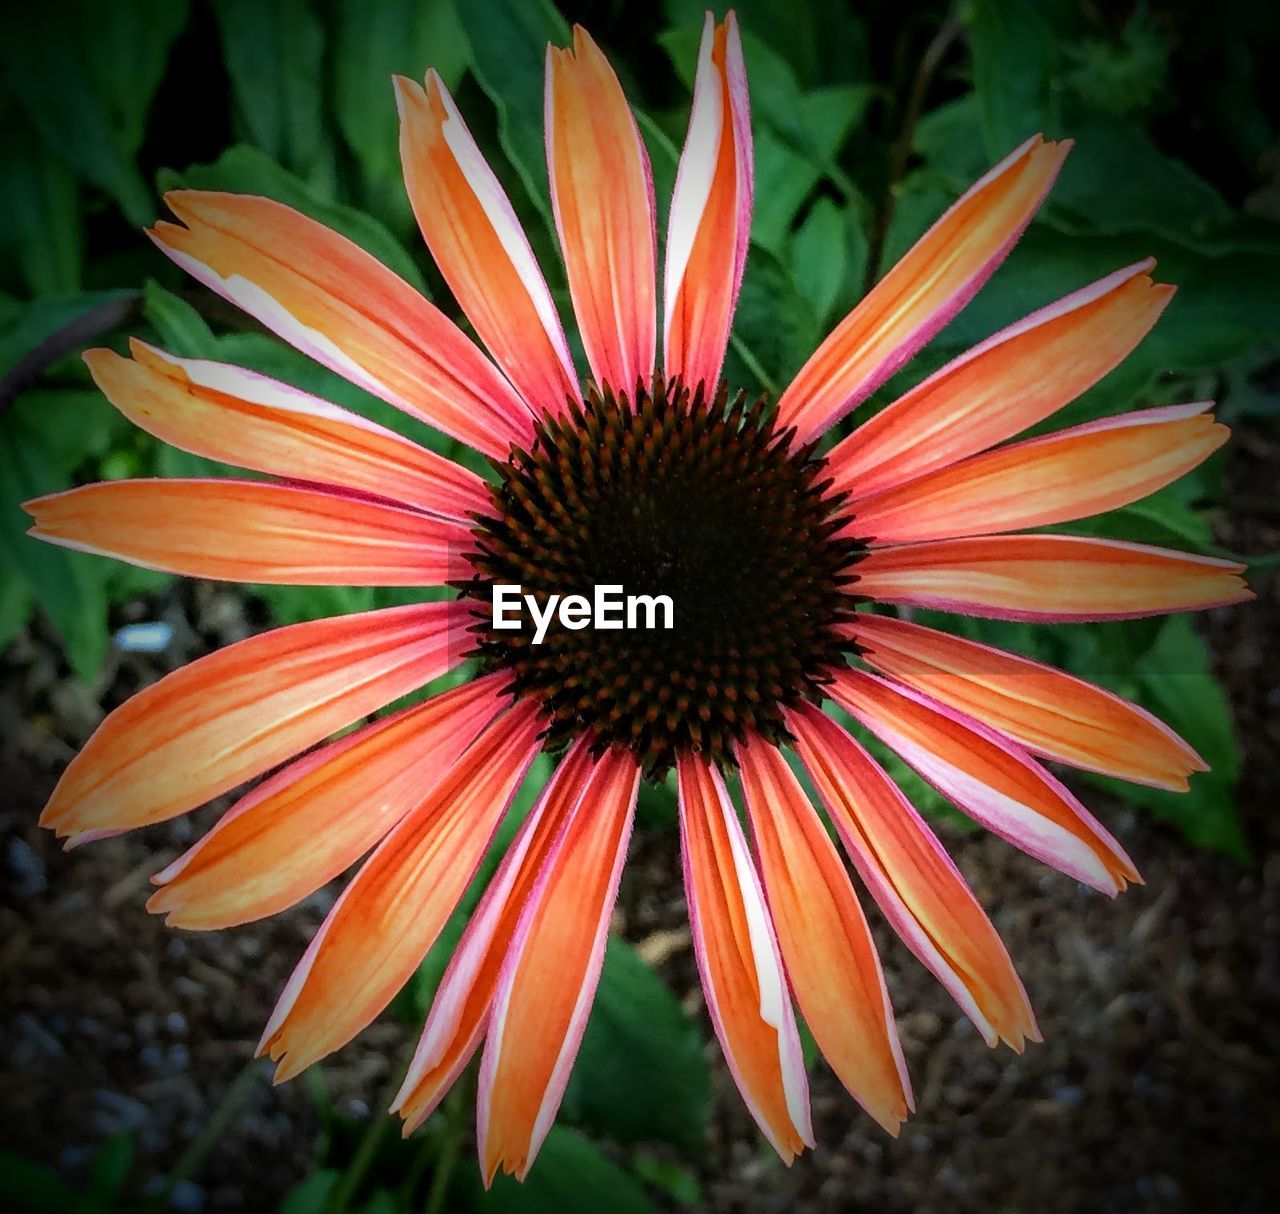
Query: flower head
(769, 539)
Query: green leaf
(509, 48)
(33, 323)
(775, 328)
(639, 1042)
(33, 1187)
(67, 585)
(274, 51)
(1013, 68)
(40, 223)
(247, 170)
(86, 80)
(373, 42)
(670, 1177)
(311, 1194)
(570, 1176)
(111, 1166)
(828, 253)
(16, 604)
(181, 328)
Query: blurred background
(125, 1075)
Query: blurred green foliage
(869, 119)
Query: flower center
(669, 493)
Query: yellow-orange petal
(460, 1010)
(919, 295)
(602, 194)
(739, 962)
(1004, 385)
(1073, 474)
(390, 914)
(826, 944)
(476, 239)
(1048, 711)
(254, 531)
(550, 973)
(914, 881)
(1048, 577)
(312, 820)
(225, 718)
(333, 301)
(990, 777)
(710, 221)
(226, 413)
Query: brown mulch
(1156, 1088)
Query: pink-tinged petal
(923, 292)
(316, 817)
(390, 914)
(1048, 711)
(333, 301)
(739, 961)
(210, 726)
(826, 944)
(1004, 385)
(990, 777)
(472, 231)
(602, 193)
(254, 531)
(710, 221)
(460, 1010)
(225, 413)
(551, 971)
(1073, 474)
(1048, 577)
(914, 881)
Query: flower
(767, 543)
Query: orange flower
(666, 484)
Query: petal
(226, 413)
(919, 889)
(1048, 711)
(826, 944)
(460, 1010)
(390, 914)
(312, 820)
(602, 193)
(1069, 475)
(739, 962)
(254, 531)
(549, 977)
(1048, 577)
(923, 292)
(989, 777)
(1003, 386)
(472, 231)
(333, 301)
(710, 221)
(225, 718)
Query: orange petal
(316, 817)
(460, 1010)
(710, 221)
(477, 242)
(1048, 577)
(390, 914)
(1004, 385)
(739, 963)
(990, 777)
(919, 889)
(826, 944)
(1069, 475)
(923, 292)
(602, 192)
(1049, 712)
(226, 413)
(228, 717)
(549, 977)
(344, 308)
(254, 531)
